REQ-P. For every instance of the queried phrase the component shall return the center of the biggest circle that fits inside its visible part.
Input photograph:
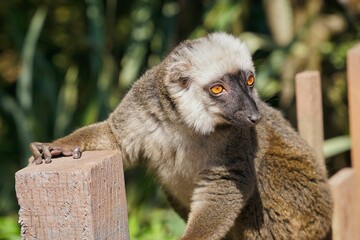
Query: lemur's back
(292, 200)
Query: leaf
(336, 145)
(66, 104)
(24, 85)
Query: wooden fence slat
(309, 110)
(73, 198)
(353, 80)
(345, 220)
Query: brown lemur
(232, 167)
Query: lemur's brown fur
(231, 165)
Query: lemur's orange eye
(217, 89)
(250, 81)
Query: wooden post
(309, 110)
(73, 198)
(345, 217)
(353, 80)
(350, 228)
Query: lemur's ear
(179, 66)
(178, 73)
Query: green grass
(9, 228)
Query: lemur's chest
(177, 159)
(180, 175)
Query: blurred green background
(66, 64)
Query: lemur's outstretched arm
(97, 136)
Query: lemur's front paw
(45, 151)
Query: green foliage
(66, 64)
(155, 223)
(336, 145)
(9, 228)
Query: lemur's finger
(76, 153)
(46, 153)
(34, 148)
(67, 153)
(55, 151)
(38, 160)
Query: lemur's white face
(211, 80)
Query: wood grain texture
(345, 218)
(309, 110)
(73, 198)
(353, 79)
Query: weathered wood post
(309, 110)
(74, 198)
(353, 79)
(345, 184)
